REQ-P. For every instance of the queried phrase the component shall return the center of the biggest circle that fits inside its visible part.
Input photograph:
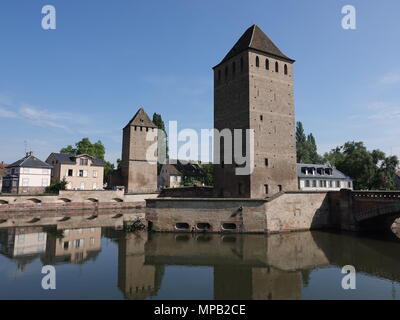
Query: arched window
(233, 68)
(285, 69)
(257, 62)
(226, 73)
(276, 66)
(241, 64)
(267, 64)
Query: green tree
(306, 146)
(162, 143)
(208, 169)
(369, 169)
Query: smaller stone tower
(139, 175)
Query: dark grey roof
(336, 174)
(141, 119)
(30, 162)
(185, 168)
(69, 158)
(254, 38)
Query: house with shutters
(28, 175)
(82, 172)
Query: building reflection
(23, 244)
(137, 280)
(243, 269)
(76, 245)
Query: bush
(57, 186)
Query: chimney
(28, 154)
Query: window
(280, 188)
(276, 66)
(25, 182)
(240, 188)
(80, 173)
(338, 184)
(285, 69)
(267, 64)
(226, 73)
(233, 68)
(266, 162)
(70, 172)
(349, 184)
(261, 118)
(330, 184)
(219, 79)
(83, 162)
(241, 64)
(66, 245)
(257, 61)
(92, 241)
(314, 183)
(307, 183)
(95, 174)
(266, 188)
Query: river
(105, 263)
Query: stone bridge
(361, 210)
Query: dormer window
(83, 162)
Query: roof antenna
(26, 146)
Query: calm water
(103, 263)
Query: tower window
(267, 64)
(240, 188)
(276, 66)
(266, 188)
(233, 68)
(280, 187)
(261, 117)
(219, 75)
(266, 162)
(257, 61)
(285, 69)
(226, 73)
(241, 64)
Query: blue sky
(108, 58)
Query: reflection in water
(304, 265)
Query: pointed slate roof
(254, 38)
(30, 162)
(141, 119)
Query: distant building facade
(317, 177)
(82, 172)
(137, 173)
(28, 175)
(179, 173)
(253, 89)
(2, 170)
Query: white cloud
(4, 113)
(390, 78)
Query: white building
(28, 175)
(318, 177)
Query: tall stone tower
(253, 89)
(138, 174)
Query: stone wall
(73, 200)
(188, 192)
(298, 211)
(285, 212)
